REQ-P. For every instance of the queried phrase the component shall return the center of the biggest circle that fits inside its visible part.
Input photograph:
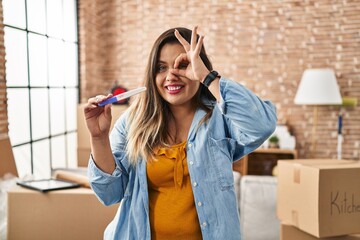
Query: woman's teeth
(173, 88)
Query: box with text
(321, 197)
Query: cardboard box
(57, 215)
(7, 161)
(321, 197)
(83, 136)
(288, 232)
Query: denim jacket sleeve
(249, 120)
(111, 188)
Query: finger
(90, 105)
(107, 110)
(108, 96)
(99, 98)
(199, 45)
(182, 40)
(193, 38)
(179, 72)
(181, 58)
(93, 101)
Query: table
(262, 161)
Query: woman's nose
(171, 75)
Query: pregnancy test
(122, 96)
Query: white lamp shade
(318, 87)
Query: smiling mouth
(173, 88)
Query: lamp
(317, 87)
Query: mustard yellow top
(171, 202)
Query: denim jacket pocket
(221, 157)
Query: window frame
(68, 135)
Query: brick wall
(265, 45)
(3, 107)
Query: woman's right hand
(98, 119)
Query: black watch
(210, 78)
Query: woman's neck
(180, 123)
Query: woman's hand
(196, 69)
(98, 119)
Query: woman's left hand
(196, 69)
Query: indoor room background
(265, 45)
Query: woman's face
(175, 90)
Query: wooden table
(262, 161)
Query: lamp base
(313, 132)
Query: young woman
(169, 157)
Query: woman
(169, 157)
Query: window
(42, 83)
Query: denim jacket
(239, 124)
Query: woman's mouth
(174, 89)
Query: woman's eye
(183, 65)
(161, 68)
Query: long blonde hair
(149, 114)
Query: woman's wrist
(101, 139)
(209, 78)
(202, 79)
